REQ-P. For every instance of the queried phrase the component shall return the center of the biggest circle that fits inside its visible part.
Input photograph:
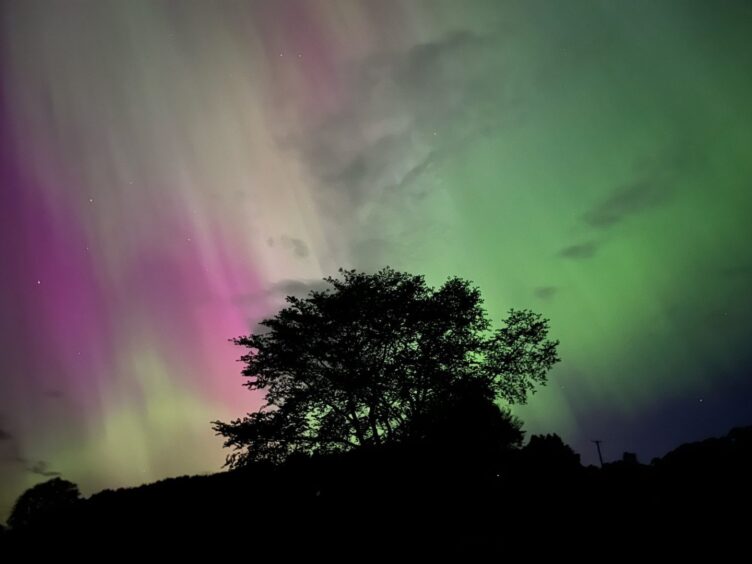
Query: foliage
(369, 359)
(43, 502)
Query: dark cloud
(415, 172)
(54, 394)
(625, 201)
(653, 183)
(277, 292)
(296, 246)
(281, 290)
(579, 252)
(41, 468)
(299, 248)
(297, 288)
(546, 292)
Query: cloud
(546, 292)
(278, 291)
(580, 252)
(42, 468)
(626, 201)
(297, 288)
(414, 173)
(404, 111)
(652, 185)
(39, 467)
(296, 246)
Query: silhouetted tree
(548, 453)
(468, 424)
(374, 358)
(43, 502)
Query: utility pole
(598, 446)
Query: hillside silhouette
(424, 502)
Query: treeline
(424, 501)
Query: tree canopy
(372, 358)
(44, 502)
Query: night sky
(170, 170)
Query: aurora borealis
(170, 170)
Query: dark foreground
(418, 504)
